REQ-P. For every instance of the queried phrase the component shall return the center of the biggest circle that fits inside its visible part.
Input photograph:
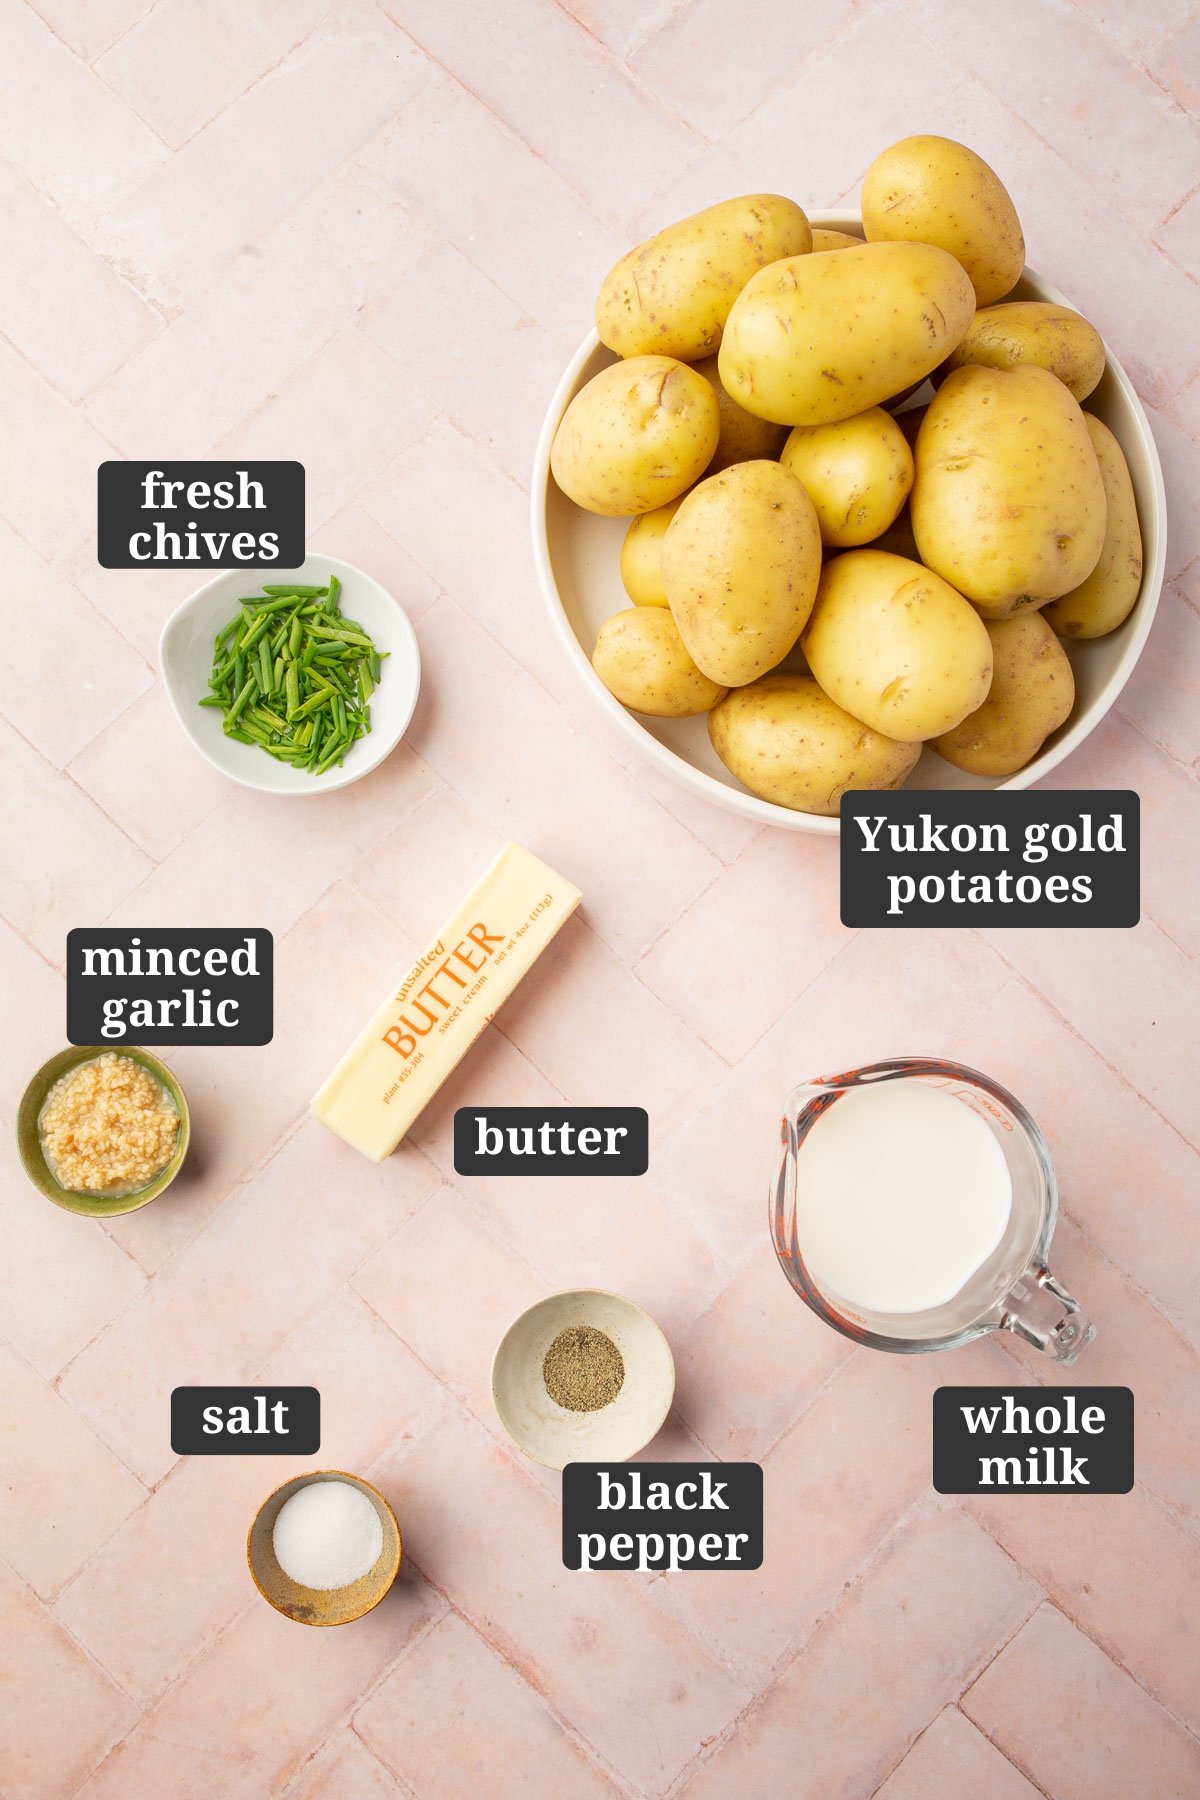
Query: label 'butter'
(426, 1026)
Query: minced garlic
(108, 1127)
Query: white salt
(327, 1535)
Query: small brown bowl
(321, 1606)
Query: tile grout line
(49, 1603)
(1190, 769)
(628, 76)
(174, 150)
(456, 1405)
(59, 1625)
(87, 62)
(909, 1514)
(251, 1175)
(964, 1684)
(1124, 1080)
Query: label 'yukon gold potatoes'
(427, 1024)
(822, 337)
(671, 295)
(1008, 502)
(741, 561)
(636, 436)
(932, 190)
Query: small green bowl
(93, 1206)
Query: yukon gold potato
(822, 337)
(788, 742)
(896, 646)
(636, 436)
(857, 472)
(672, 294)
(1032, 693)
(825, 239)
(639, 656)
(1008, 502)
(931, 190)
(1034, 331)
(741, 560)
(743, 438)
(641, 555)
(1105, 598)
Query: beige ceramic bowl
(549, 1433)
(321, 1606)
(578, 556)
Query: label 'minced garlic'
(426, 1026)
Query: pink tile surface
(344, 1769)
(640, 1690)
(54, 1466)
(108, 674)
(1102, 1723)
(836, 1719)
(421, 155)
(76, 1279)
(178, 70)
(367, 235)
(451, 1688)
(55, 277)
(953, 1757)
(58, 1684)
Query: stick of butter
(426, 1026)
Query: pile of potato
(925, 563)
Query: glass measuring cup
(1013, 1289)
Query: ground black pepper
(583, 1369)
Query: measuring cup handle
(1040, 1310)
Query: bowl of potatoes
(836, 501)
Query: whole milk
(902, 1193)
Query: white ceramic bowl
(185, 654)
(548, 1432)
(577, 555)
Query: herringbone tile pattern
(367, 235)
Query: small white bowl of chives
(323, 643)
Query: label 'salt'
(243, 1421)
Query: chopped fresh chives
(292, 676)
